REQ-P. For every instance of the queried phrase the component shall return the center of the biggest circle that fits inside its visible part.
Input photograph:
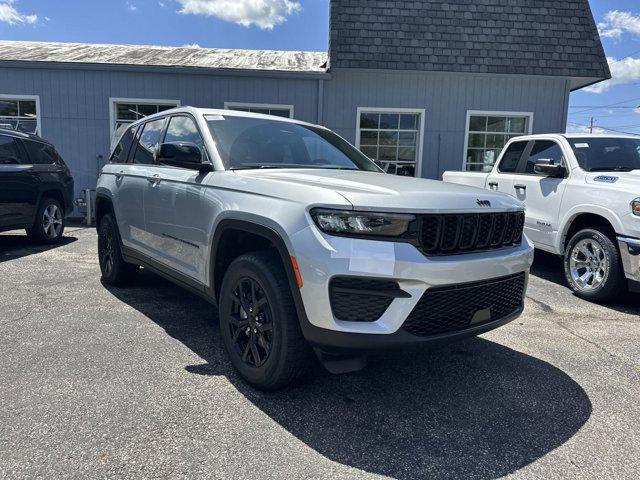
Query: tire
(265, 344)
(592, 266)
(49, 224)
(115, 271)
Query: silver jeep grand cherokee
(303, 243)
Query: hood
(382, 192)
(622, 181)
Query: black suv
(36, 187)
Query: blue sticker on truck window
(605, 179)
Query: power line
(610, 105)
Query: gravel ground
(132, 383)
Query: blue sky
(300, 25)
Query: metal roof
(191, 57)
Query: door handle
(493, 185)
(520, 187)
(154, 180)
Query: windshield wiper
(257, 167)
(612, 169)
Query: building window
(125, 111)
(391, 138)
(285, 111)
(20, 113)
(488, 133)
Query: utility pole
(591, 125)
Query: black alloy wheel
(251, 322)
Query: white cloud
(131, 7)
(616, 23)
(623, 71)
(9, 14)
(191, 45)
(576, 128)
(264, 14)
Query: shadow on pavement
(550, 267)
(14, 246)
(475, 409)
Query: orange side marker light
(294, 262)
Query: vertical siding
(446, 99)
(75, 104)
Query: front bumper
(321, 257)
(630, 255)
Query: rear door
(501, 179)
(541, 194)
(19, 185)
(176, 219)
(132, 179)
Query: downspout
(320, 101)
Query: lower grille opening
(458, 307)
(356, 299)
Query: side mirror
(546, 166)
(183, 155)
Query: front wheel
(259, 324)
(592, 265)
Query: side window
(148, 140)
(121, 151)
(183, 129)
(40, 153)
(543, 150)
(511, 157)
(9, 151)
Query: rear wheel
(115, 271)
(49, 224)
(592, 265)
(259, 324)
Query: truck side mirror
(547, 167)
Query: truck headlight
(635, 207)
(344, 222)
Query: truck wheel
(115, 271)
(592, 265)
(49, 224)
(259, 324)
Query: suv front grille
(458, 307)
(465, 233)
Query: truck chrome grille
(459, 307)
(465, 233)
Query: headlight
(635, 207)
(343, 222)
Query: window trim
(489, 113)
(420, 144)
(7, 96)
(140, 101)
(233, 105)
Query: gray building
(420, 86)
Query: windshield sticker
(605, 179)
(582, 145)
(213, 118)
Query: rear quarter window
(511, 158)
(121, 151)
(41, 153)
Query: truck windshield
(255, 143)
(607, 154)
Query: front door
(18, 185)
(176, 220)
(542, 195)
(502, 178)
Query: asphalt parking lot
(132, 383)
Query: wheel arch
(587, 219)
(104, 205)
(225, 241)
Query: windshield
(248, 143)
(607, 154)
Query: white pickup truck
(582, 197)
